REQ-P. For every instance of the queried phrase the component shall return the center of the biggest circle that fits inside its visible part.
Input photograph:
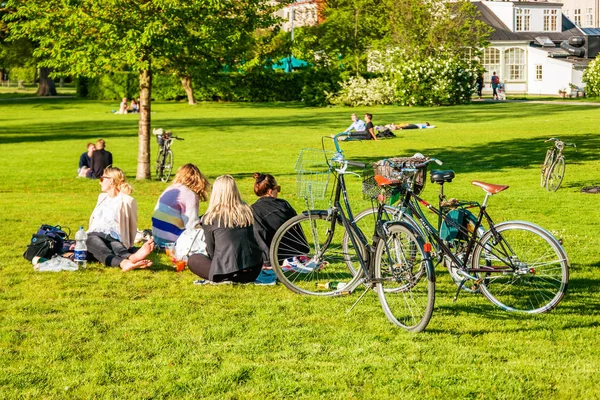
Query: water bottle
(81, 248)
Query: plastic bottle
(81, 248)
(55, 264)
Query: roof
(502, 32)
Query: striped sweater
(175, 211)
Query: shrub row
(258, 85)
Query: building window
(566, 12)
(514, 61)
(522, 19)
(538, 72)
(589, 17)
(577, 16)
(491, 62)
(550, 18)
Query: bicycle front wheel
(308, 258)
(159, 164)
(546, 167)
(168, 167)
(556, 174)
(529, 269)
(404, 279)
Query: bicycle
(517, 265)
(553, 169)
(164, 161)
(308, 257)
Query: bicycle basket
(160, 140)
(313, 173)
(371, 190)
(391, 167)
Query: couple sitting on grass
(237, 236)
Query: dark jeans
(360, 135)
(199, 264)
(106, 249)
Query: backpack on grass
(47, 242)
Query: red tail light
(427, 247)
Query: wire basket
(313, 173)
(371, 190)
(391, 168)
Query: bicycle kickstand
(462, 283)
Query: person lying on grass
(113, 225)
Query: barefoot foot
(128, 265)
(143, 252)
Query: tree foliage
(91, 37)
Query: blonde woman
(233, 254)
(113, 225)
(177, 207)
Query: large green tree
(93, 37)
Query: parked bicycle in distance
(164, 161)
(553, 169)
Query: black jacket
(269, 214)
(231, 249)
(100, 160)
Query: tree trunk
(143, 167)
(46, 86)
(186, 82)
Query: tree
(427, 28)
(93, 37)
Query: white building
(301, 12)
(583, 13)
(535, 49)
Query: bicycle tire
(168, 166)
(307, 255)
(404, 278)
(546, 166)
(159, 164)
(542, 274)
(556, 174)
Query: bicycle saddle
(490, 187)
(441, 176)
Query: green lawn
(101, 333)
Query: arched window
(491, 62)
(514, 62)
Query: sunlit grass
(101, 333)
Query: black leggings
(199, 264)
(106, 249)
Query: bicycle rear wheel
(168, 166)
(556, 174)
(159, 164)
(307, 255)
(530, 269)
(546, 167)
(404, 279)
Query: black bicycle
(164, 161)
(309, 255)
(517, 265)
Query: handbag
(191, 241)
(46, 242)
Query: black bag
(42, 246)
(386, 134)
(47, 242)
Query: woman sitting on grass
(113, 225)
(233, 254)
(177, 207)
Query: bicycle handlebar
(560, 141)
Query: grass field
(101, 333)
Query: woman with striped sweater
(177, 207)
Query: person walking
(479, 85)
(495, 83)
